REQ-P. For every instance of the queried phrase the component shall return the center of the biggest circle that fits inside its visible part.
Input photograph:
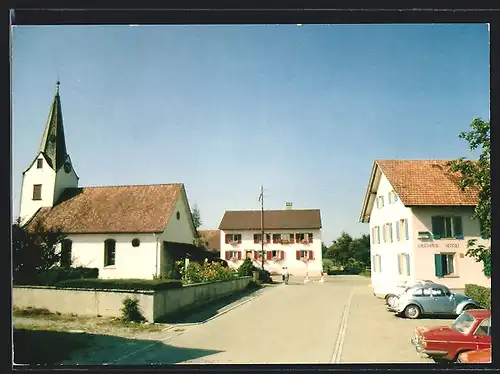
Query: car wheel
(389, 299)
(412, 311)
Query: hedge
(479, 293)
(52, 276)
(344, 272)
(121, 284)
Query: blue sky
(302, 110)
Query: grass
(33, 318)
(33, 346)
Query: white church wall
(130, 262)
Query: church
(124, 231)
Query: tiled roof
(426, 182)
(213, 239)
(113, 209)
(273, 219)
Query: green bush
(246, 269)
(121, 284)
(479, 293)
(55, 275)
(366, 273)
(264, 275)
(131, 311)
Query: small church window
(39, 163)
(135, 242)
(109, 252)
(37, 192)
(66, 247)
(178, 215)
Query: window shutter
(269, 255)
(256, 255)
(407, 230)
(407, 258)
(311, 255)
(438, 227)
(438, 265)
(390, 231)
(228, 255)
(400, 271)
(384, 233)
(282, 255)
(227, 238)
(239, 255)
(457, 226)
(297, 255)
(239, 238)
(397, 231)
(378, 234)
(379, 263)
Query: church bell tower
(51, 172)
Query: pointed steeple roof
(53, 143)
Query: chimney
(288, 206)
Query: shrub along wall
(479, 293)
(55, 275)
(121, 284)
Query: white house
(420, 222)
(124, 231)
(292, 239)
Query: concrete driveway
(338, 321)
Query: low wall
(108, 303)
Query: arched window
(109, 252)
(66, 247)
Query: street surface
(338, 321)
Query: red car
(470, 331)
(481, 356)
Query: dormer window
(39, 163)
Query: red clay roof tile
(113, 209)
(426, 182)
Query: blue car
(431, 299)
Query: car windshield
(463, 323)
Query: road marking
(337, 352)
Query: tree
(34, 252)
(350, 253)
(324, 249)
(196, 217)
(475, 174)
(360, 250)
(339, 251)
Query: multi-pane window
(376, 263)
(276, 238)
(447, 227)
(403, 264)
(39, 163)
(444, 264)
(233, 238)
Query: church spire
(53, 143)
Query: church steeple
(53, 143)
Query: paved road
(338, 321)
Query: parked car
(480, 356)
(429, 299)
(399, 289)
(471, 330)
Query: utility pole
(261, 199)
